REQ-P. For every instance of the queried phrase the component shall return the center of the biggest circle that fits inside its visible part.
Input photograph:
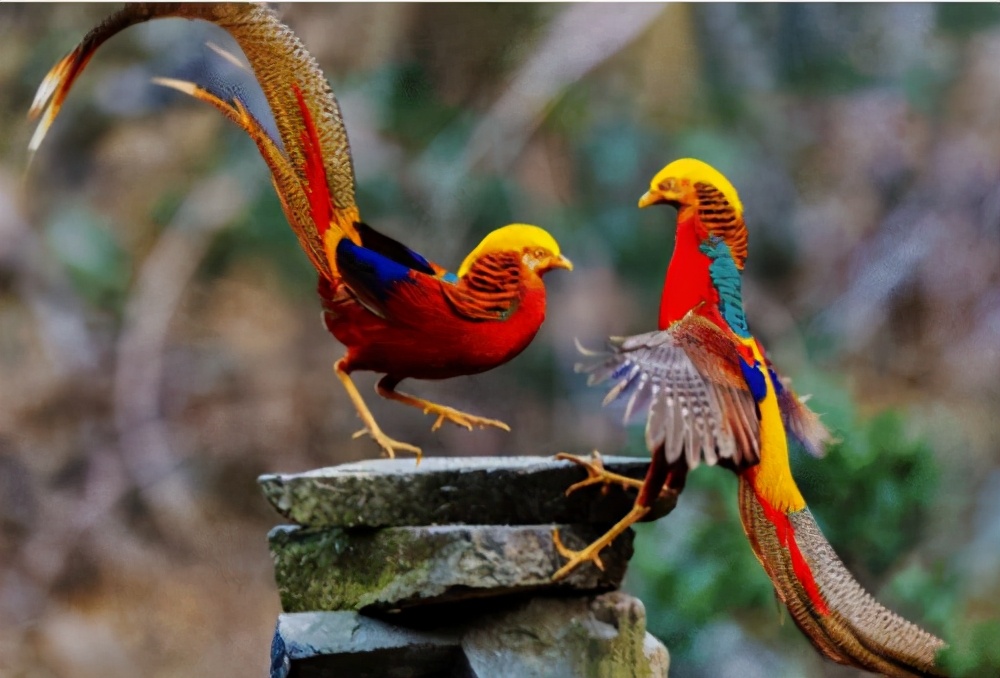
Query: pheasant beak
(559, 262)
(650, 197)
(670, 191)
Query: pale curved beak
(650, 198)
(561, 262)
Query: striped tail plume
(839, 617)
(311, 165)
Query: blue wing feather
(754, 378)
(393, 249)
(370, 275)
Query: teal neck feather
(726, 278)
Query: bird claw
(596, 473)
(389, 445)
(458, 418)
(576, 558)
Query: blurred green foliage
(258, 238)
(410, 111)
(87, 246)
(975, 652)
(965, 18)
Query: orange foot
(575, 558)
(389, 445)
(445, 413)
(597, 474)
(592, 552)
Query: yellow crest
(511, 238)
(697, 171)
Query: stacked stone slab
(444, 569)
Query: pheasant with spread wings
(711, 395)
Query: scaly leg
(386, 388)
(658, 475)
(371, 428)
(592, 552)
(596, 473)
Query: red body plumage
(421, 335)
(688, 284)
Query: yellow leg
(596, 473)
(371, 428)
(591, 552)
(386, 388)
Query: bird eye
(538, 253)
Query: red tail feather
(320, 201)
(786, 537)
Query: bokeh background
(160, 342)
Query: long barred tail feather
(297, 93)
(839, 617)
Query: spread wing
(689, 379)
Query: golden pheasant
(397, 313)
(711, 395)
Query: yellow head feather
(697, 171)
(512, 238)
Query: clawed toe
(389, 445)
(467, 421)
(575, 558)
(596, 474)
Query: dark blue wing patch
(779, 388)
(370, 275)
(392, 249)
(754, 377)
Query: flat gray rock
(338, 644)
(440, 491)
(601, 635)
(401, 567)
